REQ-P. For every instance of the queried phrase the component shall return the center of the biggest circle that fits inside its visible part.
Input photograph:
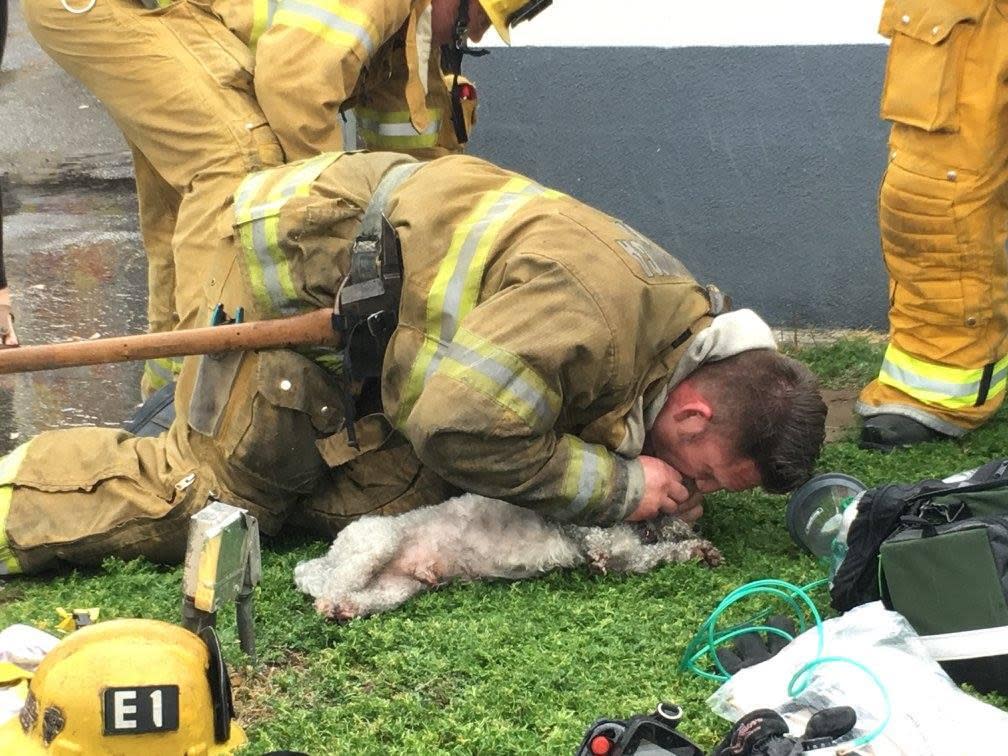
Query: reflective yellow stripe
(588, 470)
(939, 385)
(330, 20)
(395, 129)
(162, 371)
(456, 286)
(502, 376)
(258, 222)
(327, 359)
(9, 466)
(263, 12)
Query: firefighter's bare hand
(664, 490)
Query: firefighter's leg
(158, 215)
(179, 85)
(387, 481)
(245, 432)
(944, 220)
(81, 494)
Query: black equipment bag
(937, 552)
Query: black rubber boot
(155, 415)
(887, 432)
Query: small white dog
(377, 563)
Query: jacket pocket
(281, 404)
(925, 64)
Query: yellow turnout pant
(943, 211)
(179, 85)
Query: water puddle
(77, 269)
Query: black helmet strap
(451, 56)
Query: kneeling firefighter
(504, 368)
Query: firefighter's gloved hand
(765, 733)
(755, 647)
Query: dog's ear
(669, 528)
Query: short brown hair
(770, 407)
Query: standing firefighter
(542, 352)
(177, 77)
(943, 210)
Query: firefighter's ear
(693, 417)
(690, 410)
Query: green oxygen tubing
(709, 637)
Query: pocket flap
(289, 380)
(927, 21)
(372, 432)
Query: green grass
(501, 668)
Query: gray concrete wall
(757, 166)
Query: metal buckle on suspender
(366, 311)
(367, 304)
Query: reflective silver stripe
(587, 483)
(249, 187)
(507, 380)
(456, 284)
(916, 380)
(396, 128)
(269, 267)
(584, 478)
(332, 21)
(999, 376)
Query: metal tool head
(222, 555)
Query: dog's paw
(707, 552)
(340, 610)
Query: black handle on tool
(195, 620)
(245, 618)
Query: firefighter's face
(443, 14)
(684, 436)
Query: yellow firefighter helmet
(127, 687)
(504, 14)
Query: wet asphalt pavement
(77, 268)
(71, 244)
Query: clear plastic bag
(928, 714)
(22, 647)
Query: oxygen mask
(819, 514)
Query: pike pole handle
(311, 329)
